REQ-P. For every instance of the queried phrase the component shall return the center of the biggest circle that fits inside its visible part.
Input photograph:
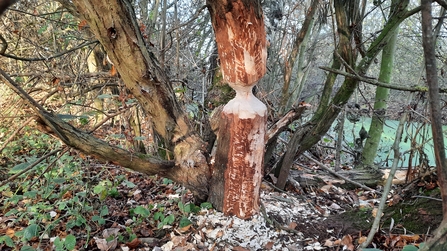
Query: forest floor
(110, 208)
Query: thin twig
(29, 167)
(49, 166)
(375, 82)
(426, 197)
(15, 133)
(339, 175)
(50, 57)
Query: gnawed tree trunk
(237, 172)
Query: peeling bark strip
(241, 42)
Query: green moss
(421, 88)
(219, 93)
(417, 216)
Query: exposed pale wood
(237, 172)
(239, 159)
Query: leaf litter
(125, 210)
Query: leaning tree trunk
(237, 172)
(311, 132)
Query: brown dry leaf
(374, 212)
(113, 71)
(410, 238)
(82, 24)
(346, 241)
(337, 242)
(67, 195)
(362, 239)
(292, 225)
(10, 232)
(239, 248)
(55, 81)
(106, 233)
(105, 245)
(394, 239)
(326, 188)
(134, 243)
(269, 245)
(328, 243)
(185, 228)
(219, 234)
(179, 240)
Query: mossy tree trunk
(381, 99)
(311, 132)
(233, 182)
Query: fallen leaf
(106, 233)
(292, 225)
(328, 243)
(134, 243)
(105, 245)
(346, 241)
(269, 245)
(239, 248)
(10, 232)
(82, 24)
(362, 239)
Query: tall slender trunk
(301, 40)
(381, 100)
(310, 133)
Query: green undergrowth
(65, 202)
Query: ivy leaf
(7, 240)
(184, 222)
(144, 212)
(70, 242)
(410, 248)
(31, 231)
(18, 168)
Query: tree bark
(237, 172)
(311, 132)
(378, 119)
(435, 108)
(301, 37)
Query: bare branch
(378, 83)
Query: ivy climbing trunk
(237, 171)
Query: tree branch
(378, 83)
(50, 57)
